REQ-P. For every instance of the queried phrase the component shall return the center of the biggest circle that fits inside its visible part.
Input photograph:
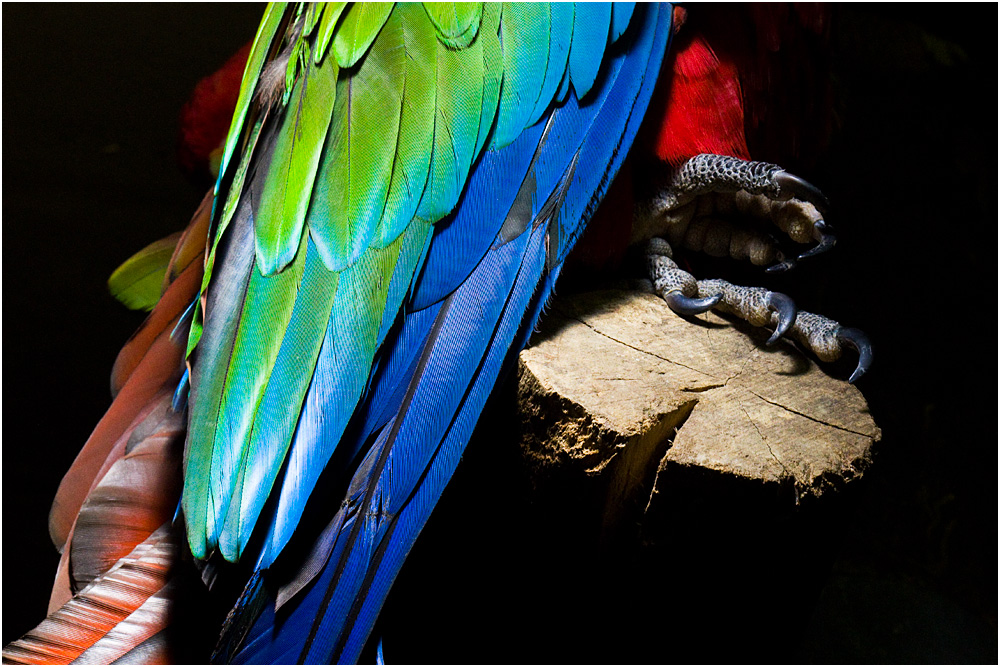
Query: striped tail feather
(116, 588)
(437, 368)
(114, 614)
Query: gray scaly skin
(692, 211)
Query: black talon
(781, 267)
(827, 240)
(790, 185)
(786, 310)
(685, 305)
(857, 339)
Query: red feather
(701, 102)
(206, 117)
(150, 361)
(748, 81)
(119, 615)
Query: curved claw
(827, 239)
(685, 305)
(790, 185)
(857, 339)
(783, 305)
(781, 267)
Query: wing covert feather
(358, 158)
(282, 210)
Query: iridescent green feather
(459, 85)
(281, 400)
(267, 310)
(313, 15)
(255, 62)
(358, 158)
(489, 36)
(358, 29)
(555, 68)
(331, 15)
(416, 125)
(138, 281)
(282, 210)
(457, 23)
(369, 299)
(197, 320)
(525, 32)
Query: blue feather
(590, 27)
(413, 517)
(462, 239)
(621, 14)
(609, 140)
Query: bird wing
(399, 188)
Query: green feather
(208, 380)
(233, 198)
(416, 125)
(457, 23)
(138, 281)
(560, 37)
(525, 29)
(357, 164)
(289, 184)
(227, 214)
(370, 292)
(266, 34)
(267, 310)
(313, 15)
(489, 37)
(357, 31)
(292, 69)
(197, 329)
(331, 14)
(459, 85)
(281, 401)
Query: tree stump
(624, 395)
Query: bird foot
(696, 207)
(688, 296)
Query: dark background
(900, 567)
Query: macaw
(397, 194)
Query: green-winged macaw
(398, 190)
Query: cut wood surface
(617, 386)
